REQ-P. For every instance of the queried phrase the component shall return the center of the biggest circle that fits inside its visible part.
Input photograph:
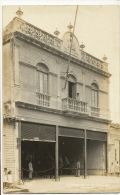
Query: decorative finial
(70, 27)
(19, 13)
(56, 33)
(82, 46)
(104, 58)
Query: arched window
(94, 95)
(42, 78)
(71, 86)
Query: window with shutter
(42, 79)
(94, 95)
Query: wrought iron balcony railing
(74, 105)
(95, 111)
(43, 99)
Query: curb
(16, 190)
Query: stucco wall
(29, 56)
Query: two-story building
(54, 104)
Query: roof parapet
(19, 25)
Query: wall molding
(53, 74)
(99, 90)
(27, 64)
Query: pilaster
(16, 64)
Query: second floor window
(42, 78)
(71, 87)
(94, 95)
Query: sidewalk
(71, 184)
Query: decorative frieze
(38, 34)
(53, 42)
(91, 60)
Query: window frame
(94, 95)
(72, 80)
(42, 71)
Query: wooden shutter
(30, 131)
(92, 99)
(94, 135)
(41, 81)
(70, 132)
(45, 81)
(37, 81)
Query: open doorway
(96, 157)
(71, 90)
(72, 148)
(42, 155)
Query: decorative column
(85, 154)
(56, 156)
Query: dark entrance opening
(96, 157)
(71, 90)
(42, 155)
(72, 148)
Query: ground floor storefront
(54, 143)
(46, 146)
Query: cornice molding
(60, 112)
(60, 53)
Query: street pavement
(70, 184)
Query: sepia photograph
(60, 99)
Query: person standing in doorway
(117, 168)
(78, 96)
(78, 168)
(112, 169)
(30, 166)
(10, 179)
(5, 182)
(60, 165)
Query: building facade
(54, 104)
(114, 146)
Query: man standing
(30, 166)
(60, 165)
(112, 169)
(78, 168)
(117, 168)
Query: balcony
(95, 111)
(74, 105)
(43, 99)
